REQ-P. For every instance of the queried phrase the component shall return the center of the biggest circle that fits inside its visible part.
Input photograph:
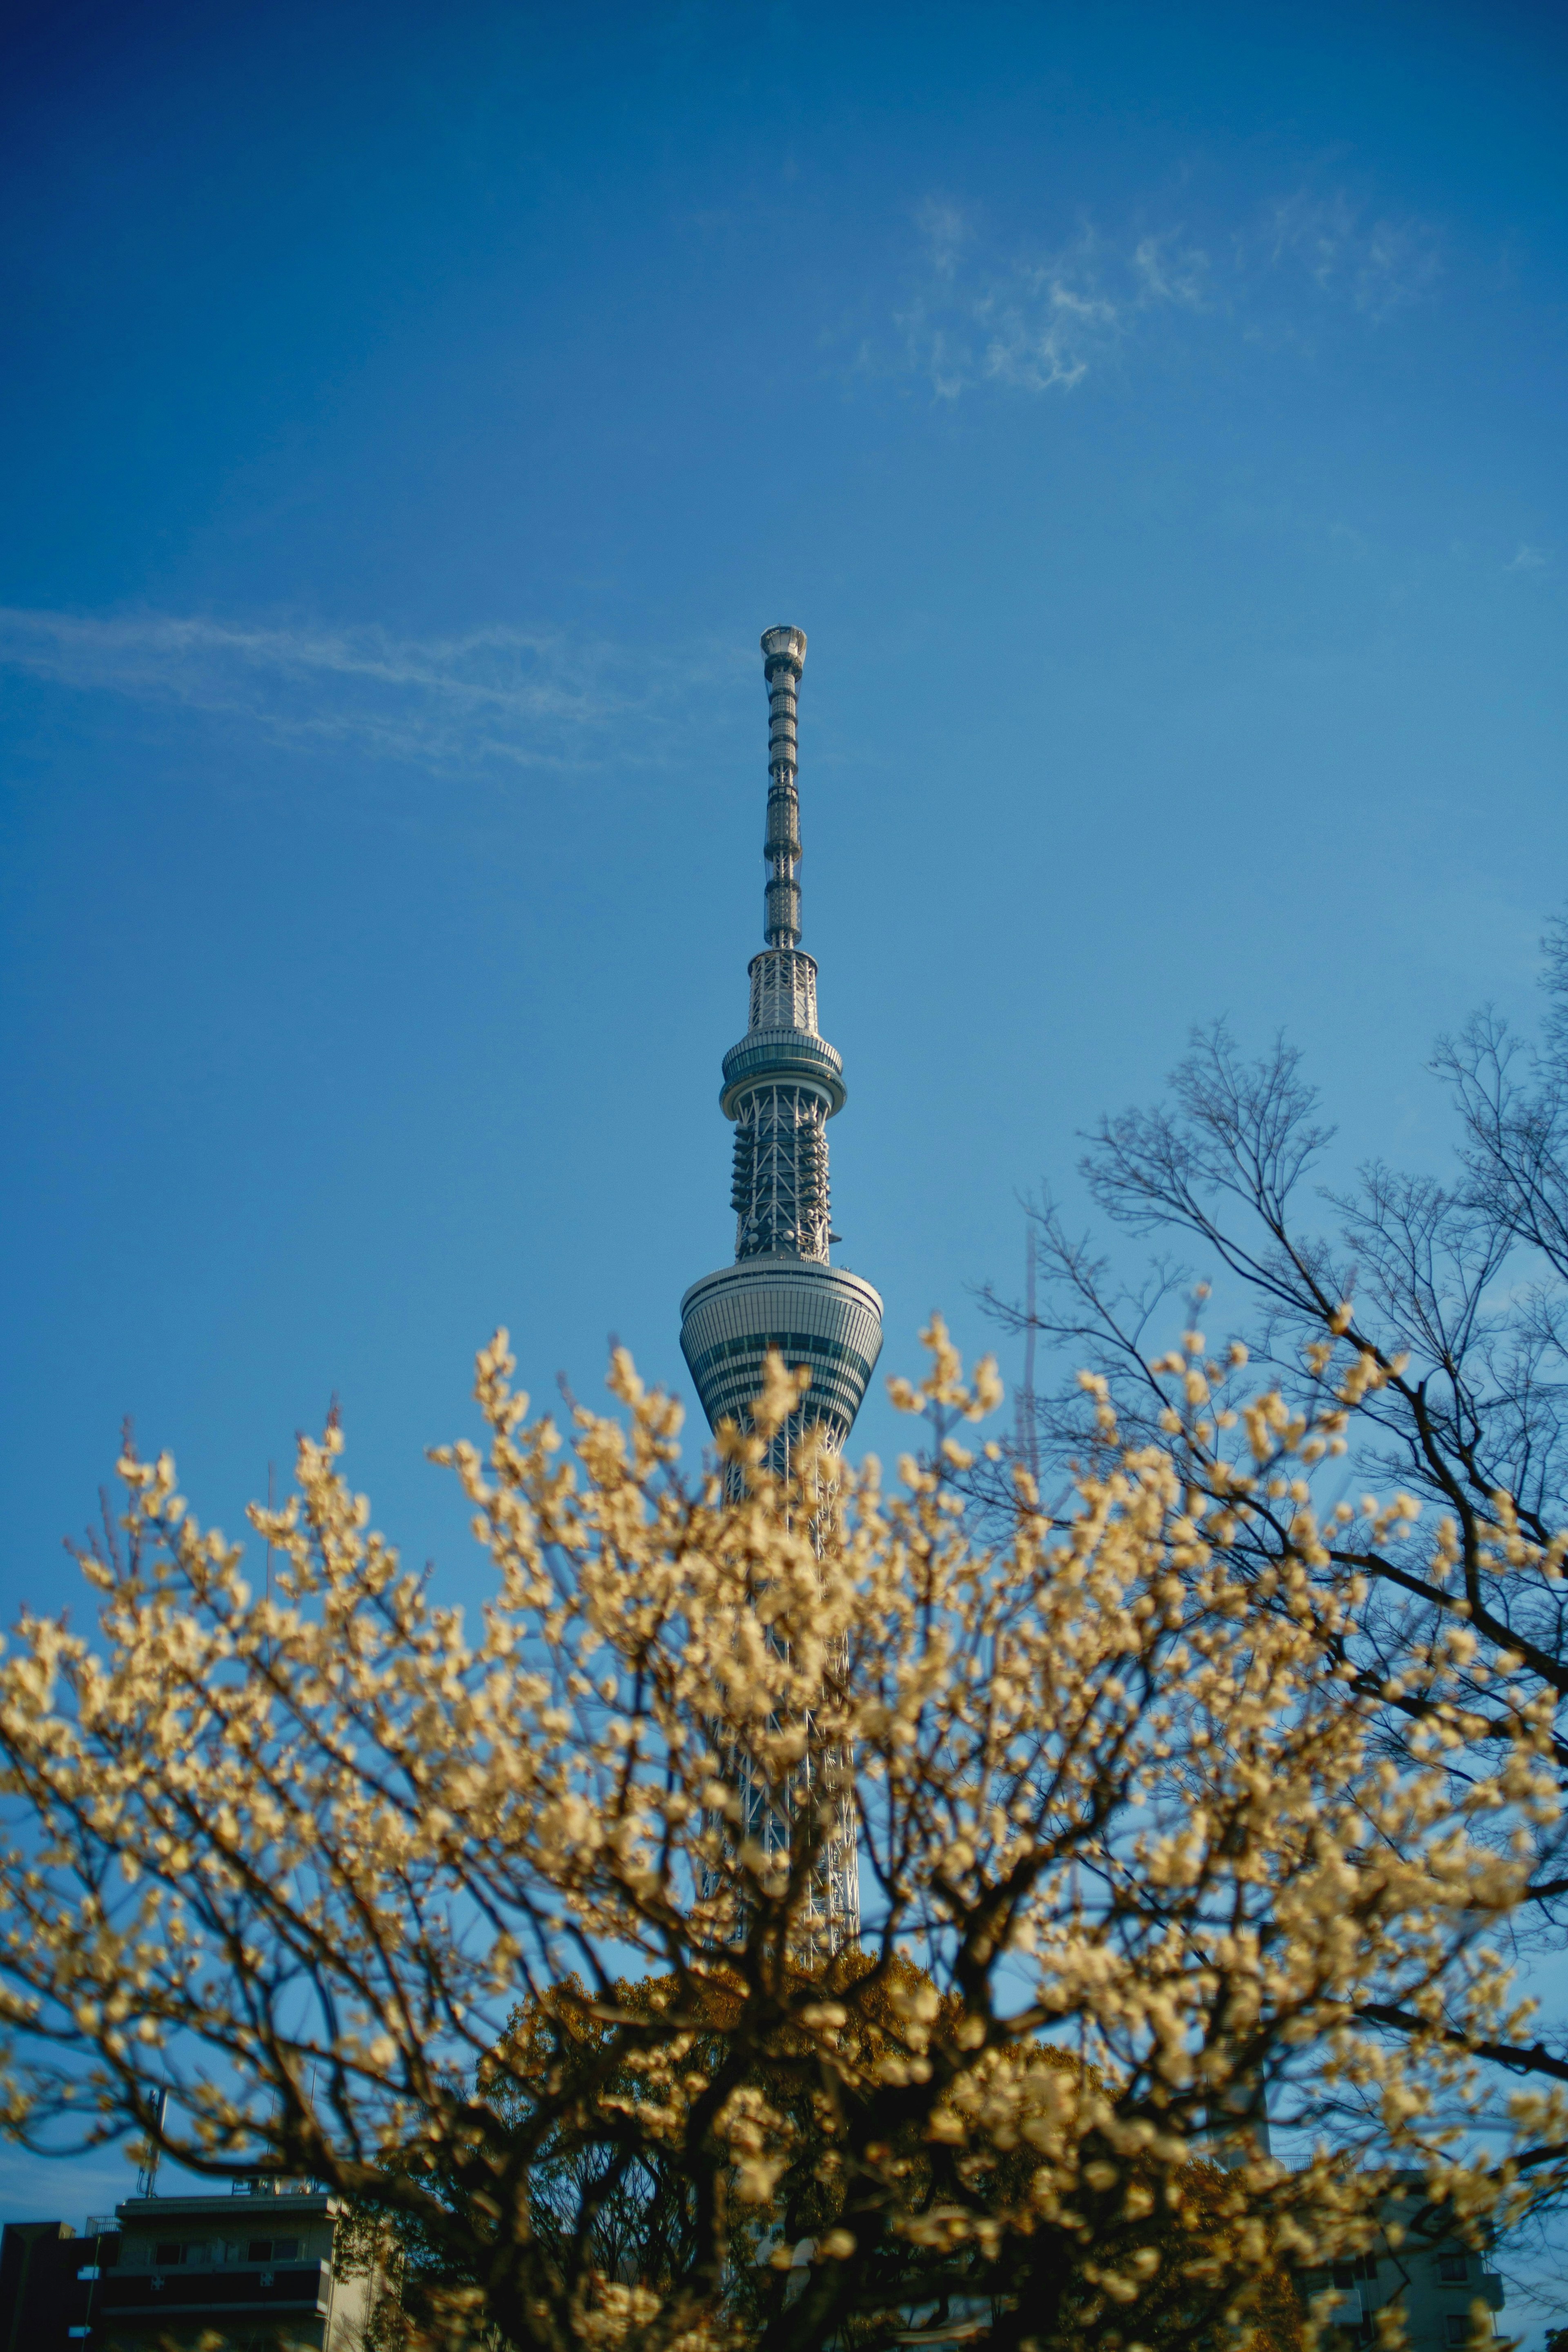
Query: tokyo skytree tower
(783, 1083)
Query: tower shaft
(783, 1083)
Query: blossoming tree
(459, 1919)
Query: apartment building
(255, 2268)
(1439, 2279)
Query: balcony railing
(220, 2286)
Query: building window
(1453, 2269)
(273, 2249)
(1457, 2328)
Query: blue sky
(409, 419)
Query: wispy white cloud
(1528, 559)
(1037, 323)
(1043, 321)
(1378, 264)
(945, 231)
(1169, 272)
(493, 698)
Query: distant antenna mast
(147, 2173)
(1028, 1420)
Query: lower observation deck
(815, 1315)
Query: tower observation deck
(783, 1083)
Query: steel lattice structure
(783, 1083)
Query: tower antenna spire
(783, 1083)
(784, 658)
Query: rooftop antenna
(147, 2171)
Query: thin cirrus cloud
(1043, 321)
(492, 698)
